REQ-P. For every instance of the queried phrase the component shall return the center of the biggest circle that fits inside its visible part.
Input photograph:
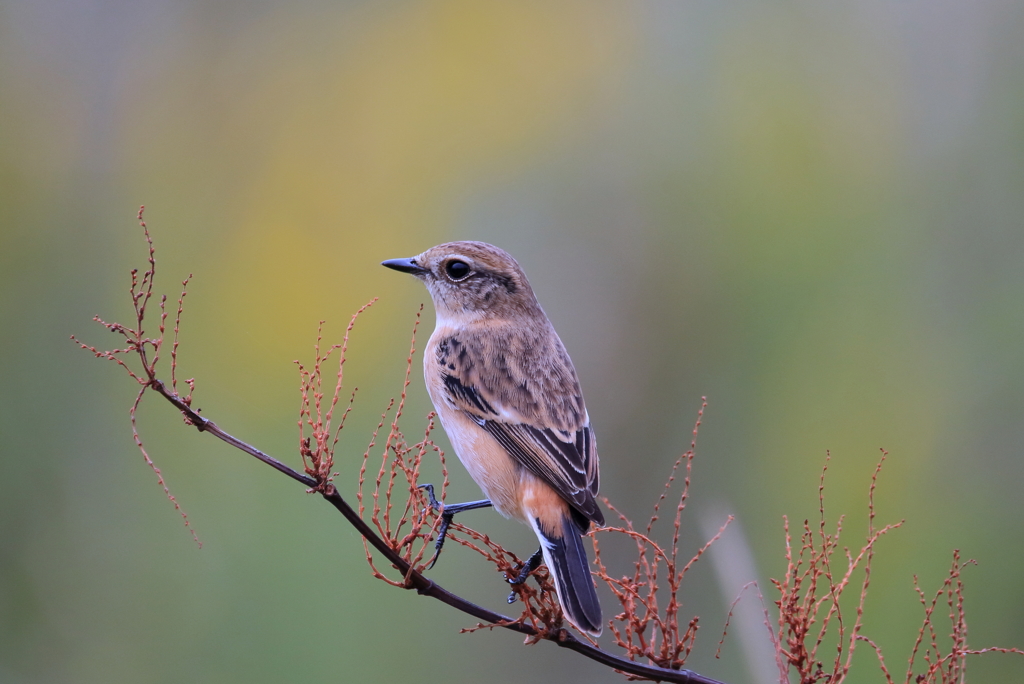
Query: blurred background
(808, 212)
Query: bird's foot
(531, 564)
(448, 512)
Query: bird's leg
(531, 564)
(448, 512)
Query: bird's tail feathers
(566, 558)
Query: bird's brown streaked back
(534, 410)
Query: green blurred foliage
(808, 212)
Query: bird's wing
(533, 409)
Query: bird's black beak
(405, 266)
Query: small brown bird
(509, 400)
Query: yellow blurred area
(367, 129)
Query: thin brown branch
(421, 583)
(206, 425)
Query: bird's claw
(447, 515)
(434, 503)
(531, 564)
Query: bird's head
(471, 281)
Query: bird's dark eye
(457, 270)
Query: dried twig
(941, 668)
(809, 593)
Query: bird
(509, 399)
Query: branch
(206, 425)
(418, 581)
